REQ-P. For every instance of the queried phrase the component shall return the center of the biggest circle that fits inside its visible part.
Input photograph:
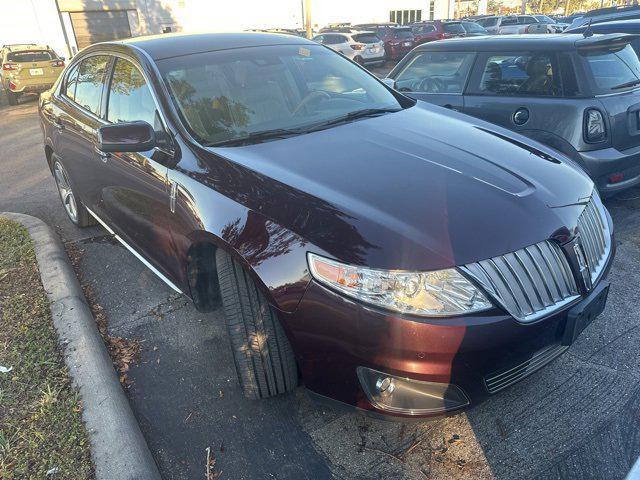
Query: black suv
(578, 95)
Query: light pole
(307, 18)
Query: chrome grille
(595, 237)
(528, 283)
(500, 380)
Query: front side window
(232, 94)
(526, 20)
(31, 56)
(528, 75)
(488, 22)
(435, 72)
(509, 21)
(129, 97)
(613, 70)
(91, 76)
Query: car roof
(616, 26)
(178, 44)
(550, 41)
(25, 46)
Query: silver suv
(362, 47)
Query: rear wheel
(358, 59)
(263, 356)
(75, 210)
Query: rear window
(435, 72)
(453, 28)
(31, 56)
(472, 27)
(403, 33)
(611, 69)
(366, 38)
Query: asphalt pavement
(578, 418)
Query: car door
(522, 91)
(76, 117)
(437, 77)
(134, 191)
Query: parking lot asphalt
(578, 418)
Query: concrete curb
(118, 447)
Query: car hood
(420, 189)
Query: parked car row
(399, 257)
(576, 94)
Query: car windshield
(30, 56)
(237, 93)
(472, 27)
(613, 71)
(453, 27)
(402, 33)
(544, 19)
(488, 22)
(366, 38)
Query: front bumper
(601, 164)
(480, 354)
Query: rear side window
(509, 21)
(522, 75)
(488, 22)
(526, 20)
(91, 76)
(612, 69)
(31, 56)
(366, 38)
(435, 72)
(130, 99)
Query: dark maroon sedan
(429, 31)
(394, 255)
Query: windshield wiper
(627, 84)
(257, 137)
(365, 112)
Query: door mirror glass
(126, 137)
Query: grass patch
(41, 428)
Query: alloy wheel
(66, 194)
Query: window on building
(405, 17)
(432, 9)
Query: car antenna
(588, 32)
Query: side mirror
(126, 137)
(389, 82)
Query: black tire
(82, 218)
(12, 97)
(358, 59)
(263, 356)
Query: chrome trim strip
(499, 381)
(136, 254)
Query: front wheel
(75, 210)
(263, 355)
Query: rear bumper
(479, 354)
(601, 164)
(20, 87)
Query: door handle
(450, 107)
(104, 156)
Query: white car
(552, 25)
(361, 47)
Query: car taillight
(357, 46)
(594, 128)
(9, 66)
(57, 63)
(442, 35)
(12, 86)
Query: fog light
(408, 396)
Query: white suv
(361, 47)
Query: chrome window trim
(135, 253)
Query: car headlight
(440, 293)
